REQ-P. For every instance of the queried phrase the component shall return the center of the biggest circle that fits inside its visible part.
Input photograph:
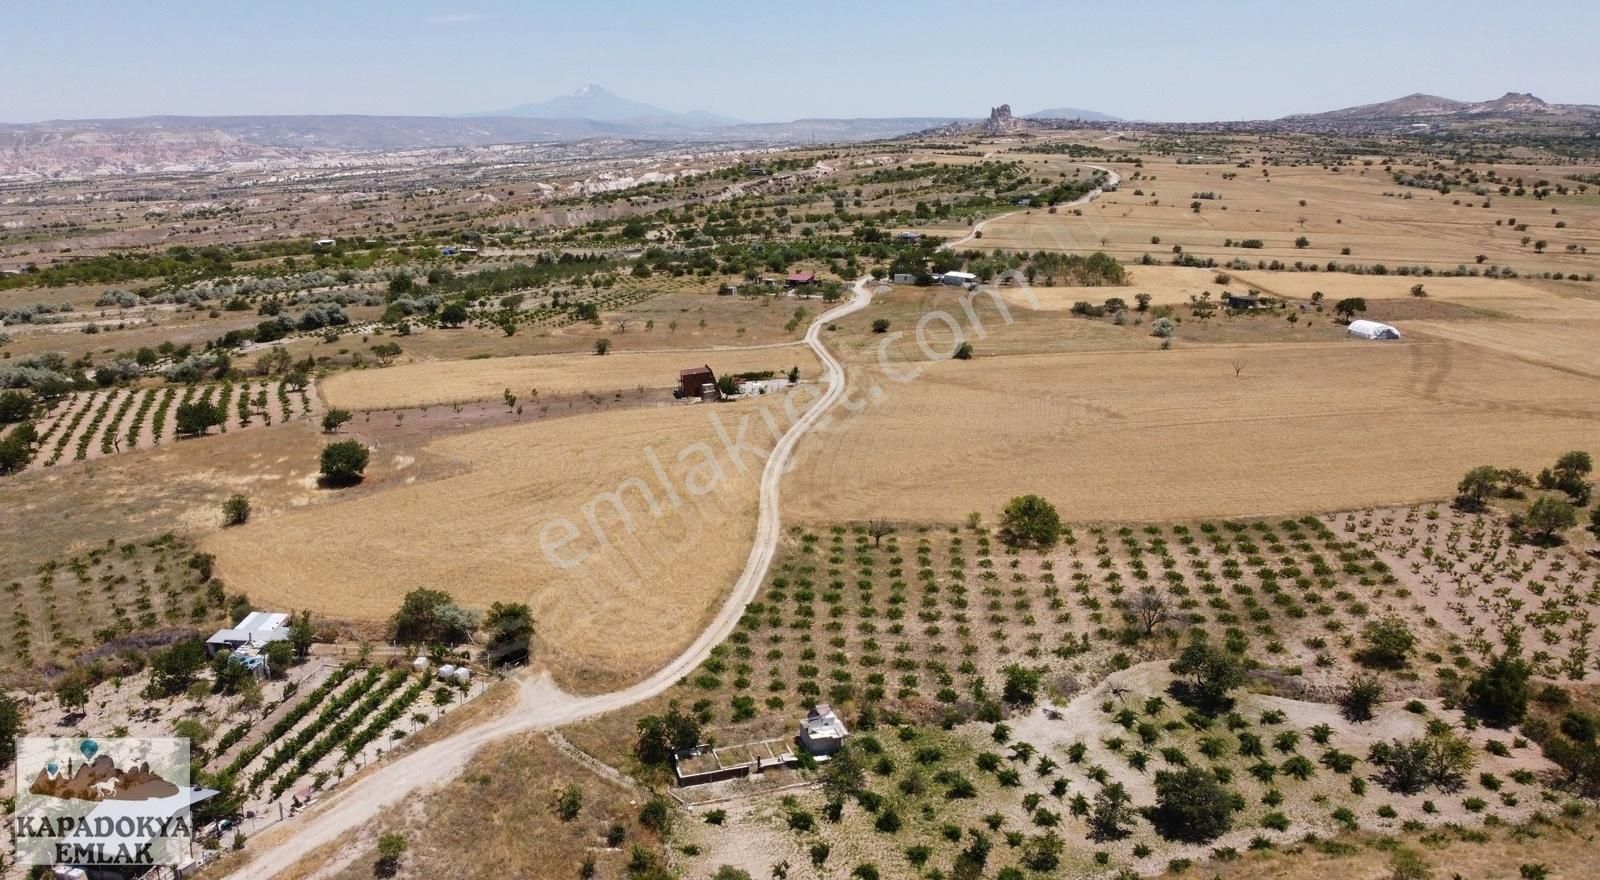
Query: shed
(1365, 329)
(802, 278)
(693, 381)
(822, 733)
(904, 278)
(255, 628)
(958, 279)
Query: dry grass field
(1360, 208)
(1164, 435)
(626, 608)
(433, 383)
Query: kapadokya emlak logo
(90, 802)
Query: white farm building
(1373, 330)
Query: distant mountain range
(1423, 109)
(1073, 113)
(595, 104)
(103, 147)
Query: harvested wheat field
(1167, 285)
(1165, 435)
(632, 603)
(442, 382)
(1357, 208)
(1573, 346)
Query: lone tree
(659, 736)
(1477, 487)
(1209, 673)
(1548, 518)
(1022, 684)
(344, 463)
(454, 314)
(1499, 695)
(430, 617)
(1570, 476)
(1151, 608)
(197, 417)
(602, 346)
(1030, 521)
(510, 632)
(881, 325)
(333, 419)
(1192, 806)
(1348, 307)
(1389, 643)
(236, 510)
(1111, 814)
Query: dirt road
(540, 704)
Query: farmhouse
(696, 382)
(1245, 301)
(822, 733)
(798, 278)
(1365, 329)
(256, 628)
(958, 279)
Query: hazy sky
(776, 61)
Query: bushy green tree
(1111, 813)
(509, 632)
(1192, 806)
(428, 617)
(1548, 517)
(1499, 693)
(658, 737)
(197, 417)
(1209, 674)
(1022, 684)
(1477, 486)
(344, 463)
(1030, 521)
(1388, 642)
(333, 419)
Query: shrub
(1359, 696)
(236, 510)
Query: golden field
(1359, 207)
(432, 383)
(1162, 435)
(627, 607)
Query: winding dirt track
(540, 704)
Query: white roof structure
(959, 276)
(822, 731)
(1373, 330)
(257, 628)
